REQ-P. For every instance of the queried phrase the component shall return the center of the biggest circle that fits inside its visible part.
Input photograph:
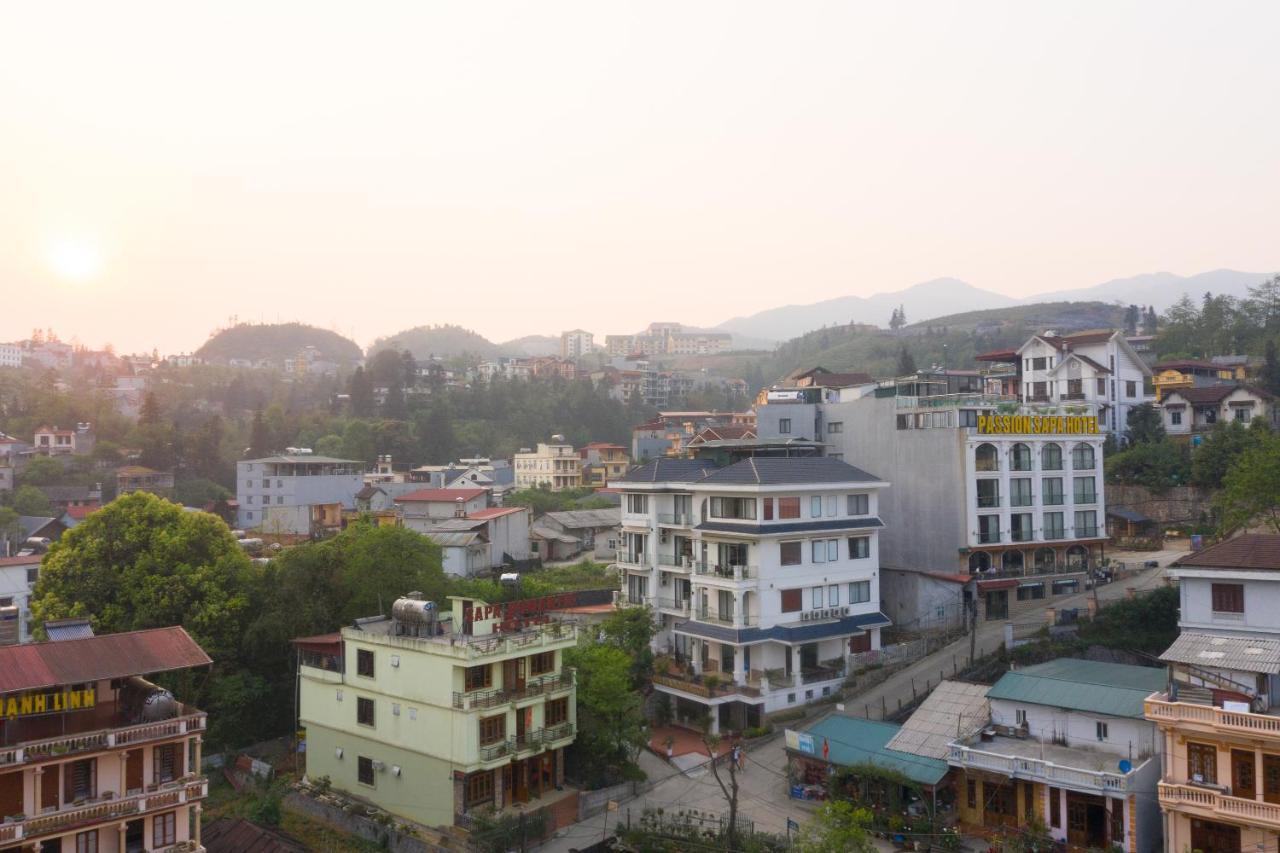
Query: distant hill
(278, 341)
(1162, 289)
(928, 299)
(531, 345)
(952, 340)
(445, 341)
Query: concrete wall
(916, 601)
(1261, 605)
(1125, 736)
(1179, 505)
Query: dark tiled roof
(1214, 394)
(1127, 514)
(440, 495)
(791, 526)
(796, 470)
(799, 633)
(40, 665)
(1186, 364)
(1250, 551)
(666, 470)
(229, 835)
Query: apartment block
(432, 715)
(554, 465)
(296, 493)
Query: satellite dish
(1125, 765)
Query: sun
(77, 261)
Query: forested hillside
(277, 341)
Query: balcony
(532, 741)
(721, 686)
(674, 606)
(479, 700)
(468, 647)
(683, 562)
(675, 519)
(732, 620)
(1208, 718)
(826, 672)
(731, 573)
(1073, 395)
(1213, 804)
(622, 598)
(633, 562)
(1079, 769)
(497, 749)
(89, 740)
(107, 808)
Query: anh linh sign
(30, 704)
(1037, 425)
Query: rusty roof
(1249, 551)
(41, 665)
(229, 835)
(440, 495)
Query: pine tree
(150, 413)
(906, 363)
(259, 437)
(1270, 373)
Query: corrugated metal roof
(852, 741)
(41, 665)
(955, 709)
(544, 532)
(228, 835)
(1114, 689)
(580, 518)
(666, 470)
(1244, 654)
(452, 540)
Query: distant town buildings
(435, 714)
(139, 478)
(554, 465)
(576, 343)
(1190, 410)
(602, 462)
(57, 441)
(297, 494)
(669, 339)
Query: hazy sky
(523, 168)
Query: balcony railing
(1216, 804)
(106, 809)
(469, 647)
(678, 561)
(1161, 710)
(531, 741)
(676, 519)
(821, 673)
(737, 620)
(496, 750)
(734, 573)
(104, 739)
(680, 605)
(697, 686)
(1072, 395)
(622, 598)
(1038, 769)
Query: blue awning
(800, 633)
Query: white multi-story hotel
(763, 576)
(992, 501)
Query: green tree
(1269, 375)
(632, 630)
(1144, 424)
(1251, 487)
(43, 471)
(610, 720)
(1220, 448)
(906, 363)
(360, 393)
(10, 530)
(838, 826)
(1157, 465)
(260, 443)
(29, 500)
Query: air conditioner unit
(662, 537)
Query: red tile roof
(42, 665)
(998, 355)
(27, 560)
(495, 512)
(441, 495)
(1250, 551)
(80, 513)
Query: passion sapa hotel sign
(32, 704)
(1037, 425)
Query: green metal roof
(1113, 689)
(853, 741)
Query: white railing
(103, 739)
(1219, 804)
(105, 809)
(1161, 710)
(1017, 767)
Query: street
(764, 794)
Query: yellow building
(556, 466)
(602, 462)
(431, 715)
(1190, 373)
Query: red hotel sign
(513, 615)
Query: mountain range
(944, 296)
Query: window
(1030, 591)
(1241, 414)
(1130, 388)
(1100, 729)
(33, 575)
(364, 711)
(1077, 558)
(858, 505)
(790, 553)
(835, 427)
(988, 528)
(819, 550)
(998, 604)
(87, 842)
(1020, 458)
(1100, 387)
(542, 663)
(1020, 491)
(1039, 390)
(480, 788)
(859, 592)
(1055, 808)
(1053, 529)
(1082, 457)
(1175, 417)
(557, 712)
(478, 677)
(815, 506)
(1045, 559)
(1202, 763)
(829, 506)
(833, 550)
(1051, 491)
(741, 508)
(986, 458)
(788, 507)
(1019, 717)
(1020, 527)
(364, 663)
(859, 547)
(364, 770)
(164, 829)
(833, 595)
(971, 793)
(1037, 363)
(784, 425)
(815, 597)
(637, 504)
(1085, 490)
(979, 561)
(493, 729)
(988, 494)
(80, 779)
(1066, 587)
(279, 499)
(164, 762)
(1051, 457)
(767, 509)
(1086, 523)
(791, 600)
(1228, 598)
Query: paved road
(763, 790)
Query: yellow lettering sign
(1037, 425)
(29, 704)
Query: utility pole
(973, 629)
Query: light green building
(430, 715)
